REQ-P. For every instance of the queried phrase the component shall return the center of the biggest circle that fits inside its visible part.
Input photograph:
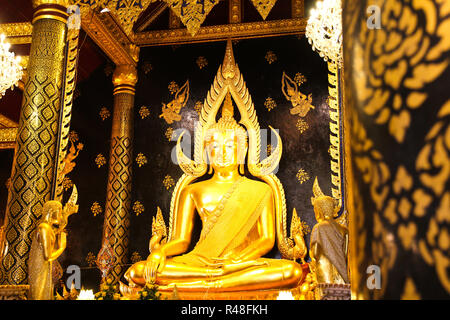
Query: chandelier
(324, 30)
(10, 68)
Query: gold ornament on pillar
(124, 79)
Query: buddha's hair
(328, 206)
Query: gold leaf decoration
(147, 67)
(138, 208)
(302, 176)
(171, 111)
(141, 159)
(169, 133)
(91, 259)
(136, 257)
(191, 13)
(144, 112)
(264, 7)
(173, 87)
(302, 125)
(299, 78)
(168, 182)
(104, 113)
(270, 104)
(404, 58)
(100, 160)
(201, 62)
(271, 57)
(96, 209)
(67, 183)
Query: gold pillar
(34, 165)
(118, 202)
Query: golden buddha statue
(329, 240)
(49, 242)
(241, 217)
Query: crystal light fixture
(10, 68)
(324, 30)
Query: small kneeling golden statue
(49, 242)
(241, 217)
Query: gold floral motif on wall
(96, 209)
(302, 176)
(173, 87)
(100, 160)
(301, 104)
(138, 208)
(144, 112)
(169, 133)
(300, 79)
(147, 67)
(264, 7)
(67, 183)
(271, 57)
(141, 159)
(136, 257)
(302, 125)
(104, 113)
(201, 62)
(270, 104)
(168, 182)
(171, 111)
(91, 259)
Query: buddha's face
(324, 208)
(53, 214)
(223, 150)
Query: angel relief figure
(242, 218)
(301, 104)
(171, 111)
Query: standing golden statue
(329, 240)
(49, 242)
(241, 217)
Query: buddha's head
(226, 141)
(52, 213)
(325, 208)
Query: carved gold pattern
(17, 33)
(222, 32)
(264, 7)
(34, 164)
(335, 134)
(298, 8)
(198, 107)
(124, 79)
(235, 11)
(192, 13)
(118, 191)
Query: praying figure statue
(242, 218)
(49, 242)
(329, 240)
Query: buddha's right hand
(155, 263)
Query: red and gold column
(118, 202)
(34, 164)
